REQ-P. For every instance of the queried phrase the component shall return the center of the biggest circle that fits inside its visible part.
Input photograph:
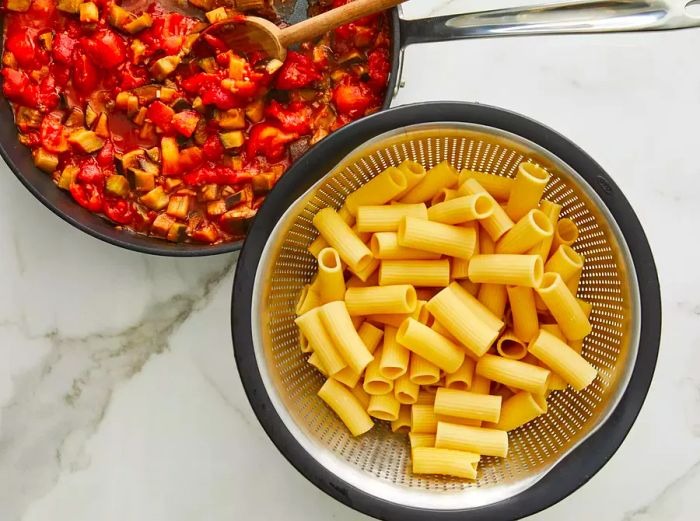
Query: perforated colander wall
(380, 454)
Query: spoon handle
(316, 26)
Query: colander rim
(578, 466)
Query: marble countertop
(119, 396)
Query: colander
(549, 457)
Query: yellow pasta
(425, 397)
(565, 261)
(498, 223)
(470, 287)
(556, 382)
(308, 299)
(395, 357)
(439, 177)
(385, 246)
(510, 346)
(464, 404)
(459, 269)
(480, 384)
(374, 382)
(375, 300)
(419, 273)
(370, 335)
(382, 189)
(422, 372)
(563, 360)
(564, 307)
(331, 283)
(487, 245)
(414, 174)
(444, 195)
(389, 319)
(405, 390)
(417, 439)
(429, 460)
(317, 245)
(526, 192)
(504, 392)
(530, 230)
(359, 393)
(462, 378)
(339, 327)
(508, 269)
(383, 407)
(463, 320)
(494, 297)
(498, 186)
(339, 235)
(514, 373)
(428, 344)
(386, 218)
(346, 406)
(315, 361)
(423, 420)
(523, 312)
(455, 241)
(551, 210)
(313, 329)
(356, 282)
(304, 344)
(565, 232)
(487, 442)
(462, 209)
(518, 410)
(403, 422)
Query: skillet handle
(600, 16)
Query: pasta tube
(384, 407)
(528, 187)
(374, 300)
(551, 210)
(339, 235)
(382, 189)
(403, 422)
(530, 230)
(370, 336)
(308, 299)
(423, 419)
(439, 177)
(374, 382)
(313, 329)
(414, 174)
(498, 223)
(331, 283)
(422, 372)
(494, 297)
(405, 390)
(362, 397)
(563, 306)
(565, 261)
(315, 361)
(346, 406)
(565, 232)
(462, 378)
(480, 384)
(508, 269)
(421, 440)
(462, 209)
(563, 360)
(524, 312)
(510, 346)
(443, 195)
(386, 218)
(455, 241)
(317, 245)
(498, 186)
(304, 344)
(385, 246)
(487, 442)
(428, 344)
(464, 404)
(514, 373)
(556, 382)
(519, 409)
(395, 357)
(419, 273)
(336, 319)
(429, 460)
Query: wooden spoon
(251, 33)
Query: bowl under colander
(378, 463)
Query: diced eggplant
(208, 192)
(141, 181)
(254, 110)
(122, 99)
(165, 66)
(88, 12)
(215, 208)
(234, 199)
(237, 163)
(154, 154)
(216, 15)
(18, 6)
(179, 206)
(170, 154)
(177, 232)
(138, 24)
(162, 224)
(351, 57)
(156, 199)
(190, 40)
(131, 159)
(198, 105)
(90, 115)
(132, 106)
(148, 166)
(282, 96)
(118, 16)
(232, 119)
(172, 183)
(318, 135)
(278, 170)
(205, 232)
(28, 117)
(263, 183)
(147, 131)
(75, 117)
(200, 133)
(146, 93)
(250, 5)
(180, 104)
(307, 94)
(208, 64)
(117, 185)
(205, 5)
(240, 196)
(68, 6)
(67, 177)
(86, 141)
(298, 148)
(232, 139)
(102, 125)
(167, 93)
(46, 41)
(236, 222)
(138, 50)
(273, 65)
(140, 116)
(45, 160)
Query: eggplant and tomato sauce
(168, 133)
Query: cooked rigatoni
(403, 422)
(439, 177)
(423, 372)
(419, 439)
(315, 332)
(498, 223)
(520, 409)
(462, 209)
(384, 407)
(385, 246)
(405, 390)
(510, 346)
(462, 378)
(414, 174)
(508, 269)
(330, 280)
(428, 344)
(338, 234)
(308, 299)
(494, 297)
(395, 357)
(375, 300)
(336, 319)
(523, 312)
(315, 361)
(565, 232)
(551, 210)
(444, 195)
(419, 273)
(429, 460)
(498, 186)
(565, 261)
(465, 404)
(386, 218)
(564, 307)
(563, 360)
(527, 190)
(514, 373)
(346, 406)
(374, 382)
(487, 442)
(530, 230)
(423, 419)
(455, 241)
(379, 190)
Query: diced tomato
(105, 157)
(295, 118)
(18, 87)
(352, 98)
(85, 75)
(90, 172)
(160, 114)
(53, 133)
(190, 158)
(378, 65)
(222, 98)
(105, 48)
(22, 42)
(48, 97)
(268, 140)
(212, 148)
(215, 174)
(298, 71)
(119, 210)
(87, 195)
(216, 43)
(63, 47)
(132, 76)
(185, 122)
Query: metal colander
(378, 464)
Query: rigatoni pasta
(455, 241)
(428, 344)
(526, 192)
(441, 176)
(498, 186)
(419, 273)
(530, 230)
(563, 360)
(564, 307)
(464, 404)
(385, 246)
(330, 280)
(462, 209)
(386, 218)
(372, 300)
(340, 236)
(379, 190)
(508, 269)
(429, 460)
(513, 373)
(346, 406)
(479, 440)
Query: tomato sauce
(169, 134)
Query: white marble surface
(119, 396)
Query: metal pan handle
(565, 18)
